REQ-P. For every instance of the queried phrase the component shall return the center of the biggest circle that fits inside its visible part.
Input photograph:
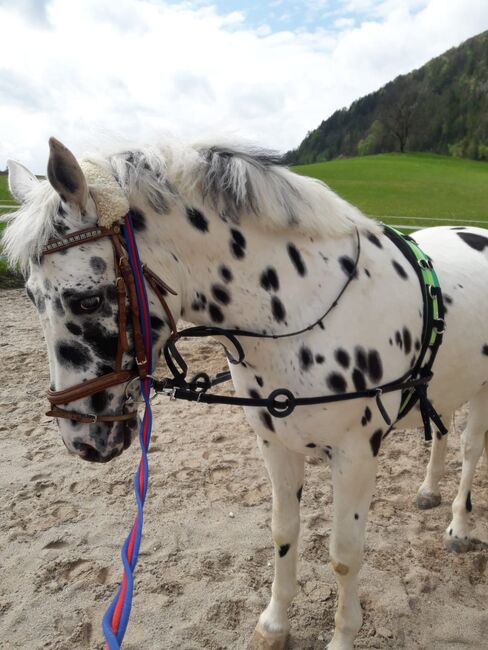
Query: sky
(105, 73)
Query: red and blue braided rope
(116, 617)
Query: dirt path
(204, 576)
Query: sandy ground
(204, 576)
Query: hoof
(260, 642)
(428, 500)
(457, 545)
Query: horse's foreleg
(353, 477)
(285, 469)
(472, 442)
(429, 494)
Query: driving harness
(280, 402)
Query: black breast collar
(281, 402)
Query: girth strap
(432, 331)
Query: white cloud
(87, 70)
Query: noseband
(126, 291)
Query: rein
(116, 617)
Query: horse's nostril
(87, 452)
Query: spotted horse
(247, 244)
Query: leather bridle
(126, 292)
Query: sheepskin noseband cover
(111, 202)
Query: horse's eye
(90, 304)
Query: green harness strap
(432, 332)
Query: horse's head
(75, 290)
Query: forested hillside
(441, 108)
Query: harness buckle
(440, 325)
(95, 418)
(142, 362)
(425, 263)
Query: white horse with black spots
(246, 243)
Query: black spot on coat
(358, 379)
(375, 367)
(375, 441)
(306, 358)
(99, 401)
(269, 279)
(138, 220)
(366, 417)
(336, 382)
(73, 328)
(237, 243)
(361, 359)
(284, 548)
(156, 323)
(267, 420)
(226, 274)
(73, 354)
(400, 270)
(407, 340)
(102, 342)
(220, 294)
(347, 265)
(478, 242)
(278, 309)
(215, 313)
(197, 219)
(374, 239)
(342, 358)
(296, 259)
(98, 264)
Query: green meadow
(428, 186)
(7, 277)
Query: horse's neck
(245, 276)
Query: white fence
(425, 222)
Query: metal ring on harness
(279, 408)
(200, 382)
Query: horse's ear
(20, 181)
(65, 175)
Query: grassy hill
(7, 277)
(389, 186)
(5, 196)
(442, 108)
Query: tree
(398, 118)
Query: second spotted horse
(247, 244)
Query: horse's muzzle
(87, 452)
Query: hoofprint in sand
(206, 559)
